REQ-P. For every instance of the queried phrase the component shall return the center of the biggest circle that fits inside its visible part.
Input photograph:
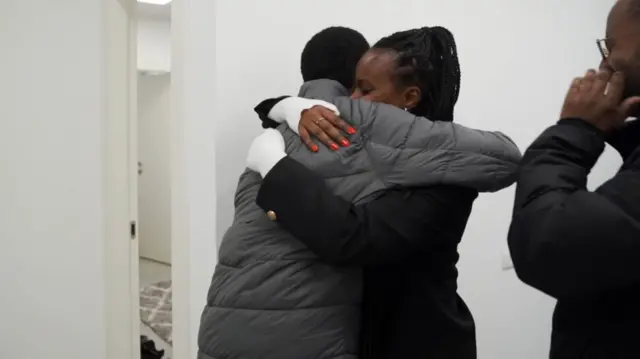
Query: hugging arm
(360, 112)
(486, 161)
(387, 229)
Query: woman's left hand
(324, 124)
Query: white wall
(517, 60)
(154, 196)
(64, 196)
(154, 44)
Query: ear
(411, 97)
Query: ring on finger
(318, 120)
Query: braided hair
(427, 58)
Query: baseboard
(155, 261)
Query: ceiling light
(155, 2)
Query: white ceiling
(154, 12)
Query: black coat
(581, 247)
(407, 241)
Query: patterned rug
(155, 309)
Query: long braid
(428, 58)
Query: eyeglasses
(603, 48)
(603, 44)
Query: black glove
(263, 110)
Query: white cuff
(290, 109)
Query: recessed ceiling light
(155, 2)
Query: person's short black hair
(333, 54)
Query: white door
(154, 196)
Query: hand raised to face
(597, 99)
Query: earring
(406, 109)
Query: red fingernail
(314, 148)
(345, 142)
(351, 130)
(335, 147)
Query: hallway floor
(152, 272)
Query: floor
(151, 272)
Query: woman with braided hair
(423, 67)
(405, 237)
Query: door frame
(193, 170)
(180, 226)
(134, 257)
(121, 292)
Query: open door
(154, 193)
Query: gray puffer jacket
(272, 298)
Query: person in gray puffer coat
(271, 297)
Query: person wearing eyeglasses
(583, 247)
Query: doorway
(154, 197)
(154, 175)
